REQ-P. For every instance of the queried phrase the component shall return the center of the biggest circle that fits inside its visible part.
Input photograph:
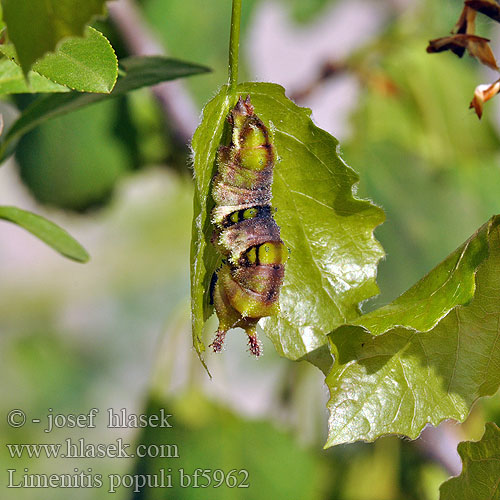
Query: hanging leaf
(427, 356)
(47, 231)
(480, 476)
(465, 23)
(333, 254)
(476, 46)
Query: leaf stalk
(234, 44)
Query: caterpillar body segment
(247, 285)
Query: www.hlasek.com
(82, 449)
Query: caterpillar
(247, 285)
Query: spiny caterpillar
(247, 285)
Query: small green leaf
(86, 64)
(427, 356)
(333, 254)
(47, 231)
(36, 27)
(140, 72)
(480, 477)
(12, 80)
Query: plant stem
(234, 44)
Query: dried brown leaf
(482, 94)
(490, 8)
(480, 48)
(477, 46)
(466, 22)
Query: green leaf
(12, 80)
(88, 140)
(427, 356)
(47, 231)
(333, 254)
(480, 477)
(36, 27)
(139, 72)
(86, 64)
(2, 24)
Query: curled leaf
(477, 46)
(482, 94)
(490, 8)
(329, 232)
(466, 21)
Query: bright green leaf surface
(47, 231)
(333, 254)
(12, 80)
(35, 27)
(85, 64)
(480, 477)
(140, 72)
(450, 284)
(401, 378)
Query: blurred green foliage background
(115, 332)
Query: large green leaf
(12, 80)
(35, 27)
(333, 254)
(480, 477)
(139, 72)
(427, 356)
(47, 231)
(87, 64)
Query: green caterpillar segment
(247, 285)
(250, 292)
